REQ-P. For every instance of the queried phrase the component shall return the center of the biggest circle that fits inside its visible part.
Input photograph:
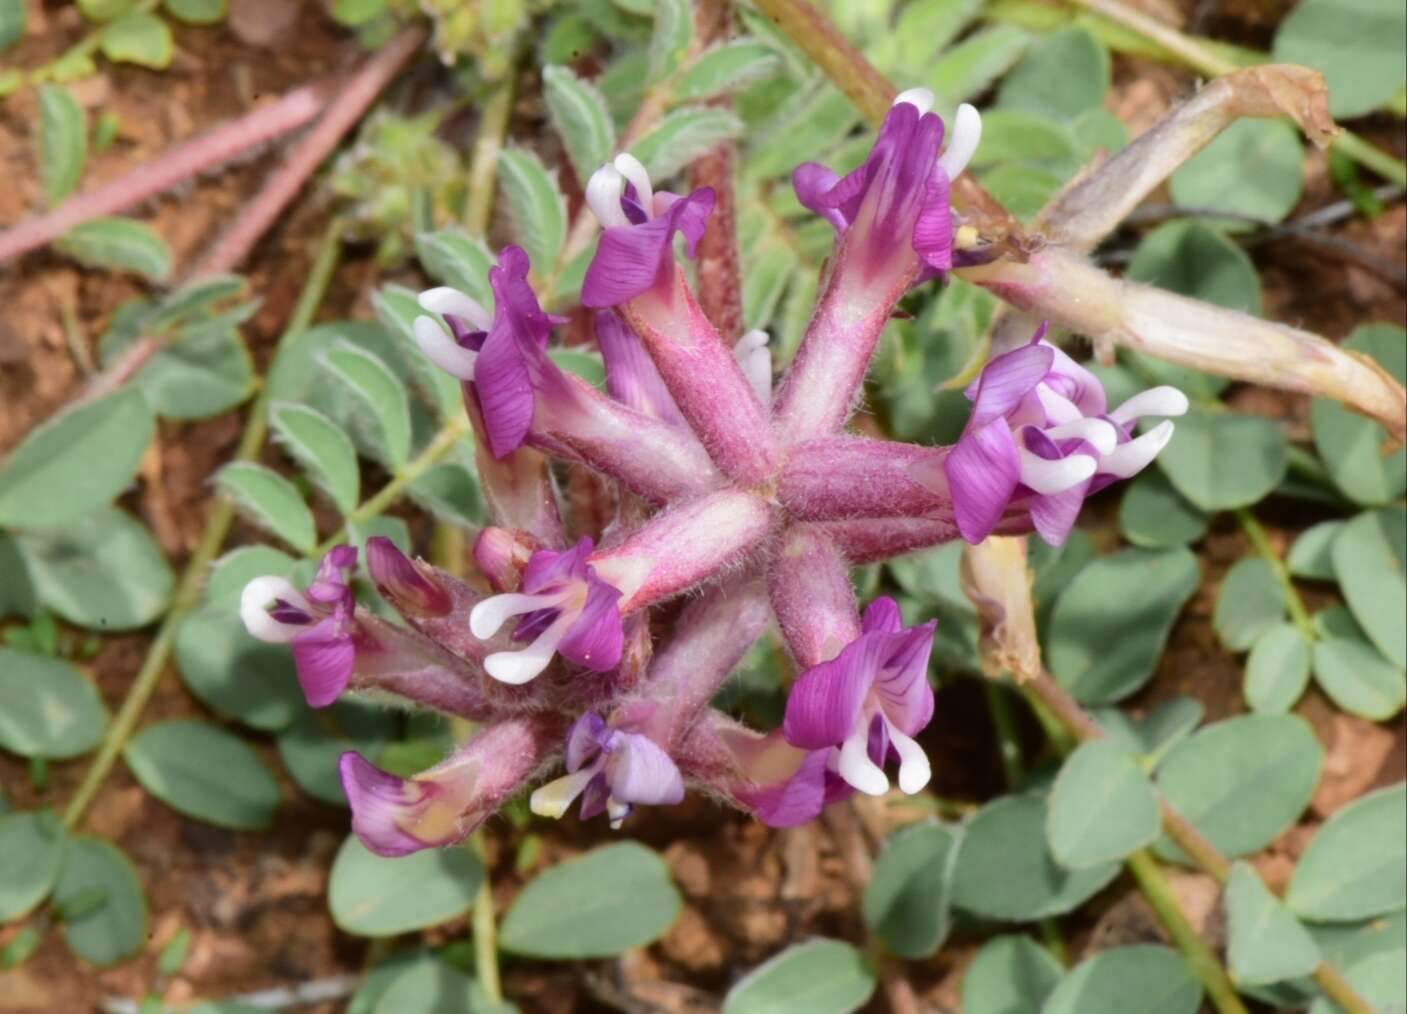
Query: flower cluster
(750, 495)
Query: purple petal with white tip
(632, 259)
(902, 687)
(505, 392)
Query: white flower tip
(633, 170)
(854, 765)
(914, 769)
(442, 350)
(1048, 477)
(1160, 401)
(254, 602)
(443, 299)
(487, 616)
(755, 360)
(919, 98)
(963, 141)
(552, 799)
(1131, 458)
(603, 193)
(516, 667)
(1098, 433)
(616, 812)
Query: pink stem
(812, 595)
(268, 121)
(835, 478)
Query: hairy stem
(260, 214)
(192, 582)
(264, 123)
(1204, 963)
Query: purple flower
(898, 200)
(612, 770)
(1040, 433)
(870, 698)
(566, 608)
(631, 376)
(636, 251)
(503, 355)
(405, 583)
(395, 816)
(319, 622)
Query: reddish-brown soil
(255, 902)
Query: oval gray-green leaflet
(1221, 460)
(1251, 601)
(63, 139)
(729, 67)
(1265, 942)
(1128, 980)
(682, 136)
(322, 449)
(104, 571)
(1311, 556)
(380, 391)
(1357, 678)
(1277, 670)
(453, 257)
(1356, 865)
(204, 772)
(116, 928)
(1253, 167)
(1242, 781)
(118, 244)
(47, 708)
(198, 12)
(32, 843)
(580, 116)
(372, 896)
(1064, 75)
(818, 976)
(909, 897)
(1103, 807)
(138, 37)
(1150, 737)
(597, 905)
(311, 747)
(75, 462)
(1110, 624)
(535, 205)
(1350, 445)
(235, 675)
(1005, 869)
(432, 985)
(1156, 516)
(1010, 975)
(14, 16)
(1357, 44)
(1370, 558)
(270, 501)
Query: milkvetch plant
(755, 503)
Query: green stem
(1008, 745)
(485, 929)
(483, 169)
(192, 582)
(1298, 613)
(376, 504)
(1154, 884)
